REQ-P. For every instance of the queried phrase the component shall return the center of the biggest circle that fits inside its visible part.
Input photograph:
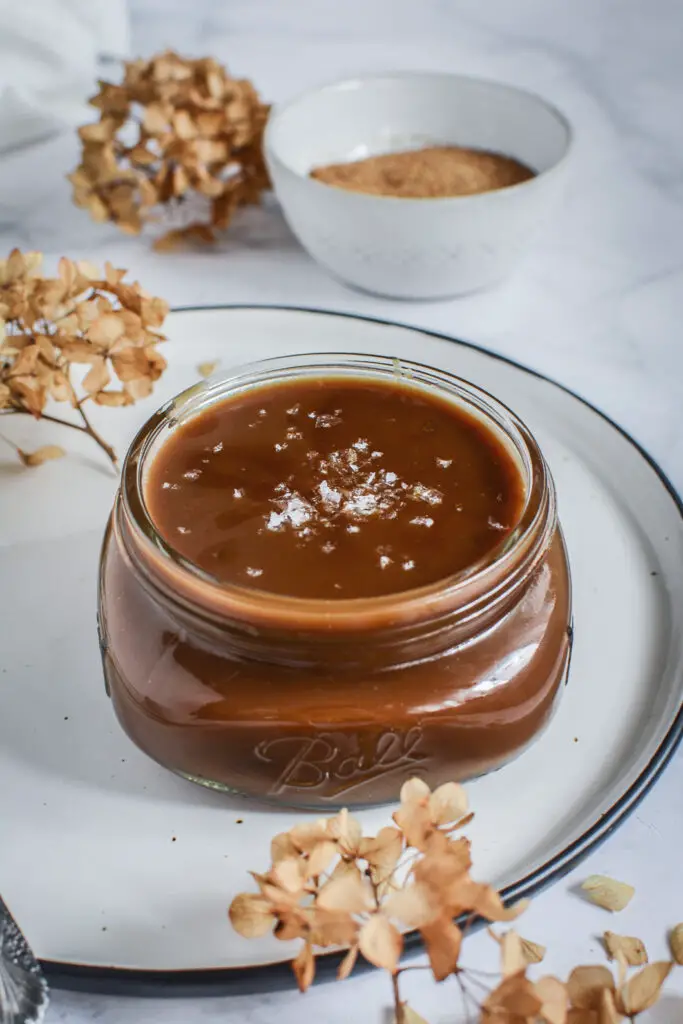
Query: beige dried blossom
(46, 453)
(608, 893)
(208, 368)
(81, 318)
(172, 130)
(676, 943)
(330, 886)
(516, 953)
(424, 817)
(632, 949)
(642, 990)
(514, 999)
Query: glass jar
(323, 703)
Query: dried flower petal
(380, 942)
(512, 958)
(113, 399)
(422, 813)
(332, 928)
(303, 966)
(607, 1011)
(206, 369)
(515, 995)
(607, 892)
(347, 892)
(347, 833)
(382, 853)
(410, 1016)
(251, 915)
(106, 331)
(643, 989)
(554, 1002)
(413, 905)
(632, 949)
(307, 836)
(282, 847)
(676, 943)
(291, 924)
(533, 952)
(345, 867)
(97, 378)
(412, 817)
(585, 985)
(347, 964)
(530, 952)
(320, 859)
(181, 237)
(448, 803)
(287, 874)
(486, 901)
(442, 939)
(414, 790)
(41, 455)
(13, 267)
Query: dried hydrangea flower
(82, 318)
(173, 130)
(331, 886)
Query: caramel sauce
(334, 488)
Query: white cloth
(49, 56)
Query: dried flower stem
(399, 1009)
(85, 428)
(467, 997)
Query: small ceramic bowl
(415, 248)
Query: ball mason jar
(323, 703)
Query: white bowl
(415, 248)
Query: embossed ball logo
(334, 762)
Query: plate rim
(273, 976)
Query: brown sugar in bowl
(430, 172)
(229, 654)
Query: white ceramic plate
(119, 872)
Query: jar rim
(168, 566)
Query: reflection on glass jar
(320, 699)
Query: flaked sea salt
(429, 494)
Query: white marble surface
(598, 305)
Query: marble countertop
(598, 306)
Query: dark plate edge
(272, 977)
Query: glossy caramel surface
(333, 488)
